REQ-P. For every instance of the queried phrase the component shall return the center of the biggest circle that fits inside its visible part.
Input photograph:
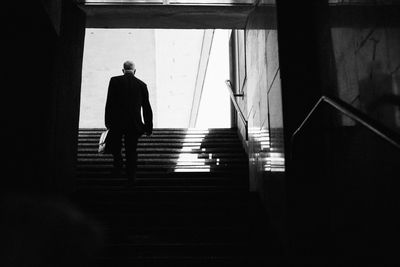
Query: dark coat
(127, 95)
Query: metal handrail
(348, 110)
(236, 105)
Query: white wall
(104, 53)
(178, 54)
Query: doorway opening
(185, 72)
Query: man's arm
(109, 105)
(147, 112)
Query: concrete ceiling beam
(166, 16)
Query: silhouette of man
(127, 97)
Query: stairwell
(190, 207)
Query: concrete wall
(332, 184)
(105, 52)
(368, 70)
(178, 55)
(356, 61)
(367, 59)
(262, 105)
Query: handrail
(376, 127)
(236, 105)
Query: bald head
(129, 65)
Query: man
(127, 96)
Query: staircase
(190, 206)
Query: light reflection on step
(189, 145)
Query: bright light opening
(167, 60)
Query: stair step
(172, 145)
(170, 185)
(169, 207)
(164, 165)
(168, 220)
(173, 261)
(87, 175)
(144, 171)
(176, 234)
(167, 168)
(241, 156)
(171, 130)
(130, 195)
(240, 174)
(155, 179)
(243, 173)
(174, 250)
(169, 188)
(173, 137)
(171, 150)
(181, 161)
(165, 182)
(189, 206)
(167, 139)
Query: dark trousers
(131, 138)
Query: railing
(380, 130)
(236, 105)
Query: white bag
(102, 142)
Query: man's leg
(131, 141)
(116, 136)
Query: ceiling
(167, 2)
(176, 14)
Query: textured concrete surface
(105, 51)
(262, 105)
(165, 16)
(368, 73)
(178, 54)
